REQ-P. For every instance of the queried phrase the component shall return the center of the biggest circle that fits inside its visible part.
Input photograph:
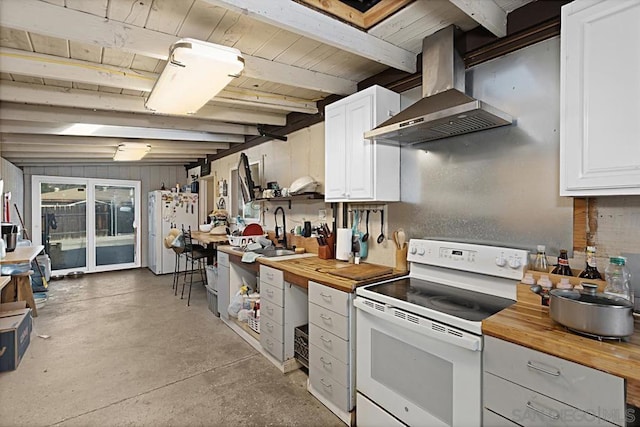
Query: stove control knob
(501, 261)
(514, 263)
(413, 250)
(421, 251)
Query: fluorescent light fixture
(80, 129)
(131, 151)
(195, 72)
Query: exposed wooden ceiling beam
(90, 130)
(314, 25)
(65, 97)
(53, 114)
(37, 151)
(96, 162)
(15, 61)
(365, 20)
(73, 141)
(56, 21)
(486, 13)
(99, 154)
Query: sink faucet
(284, 226)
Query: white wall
(150, 177)
(284, 161)
(13, 182)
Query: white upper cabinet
(600, 98)
(357, 169)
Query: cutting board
(360, 272)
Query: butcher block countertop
(299, 269)
(530, 326)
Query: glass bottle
(562, 267)
(591, 270)
(540, 263)
(618, 278)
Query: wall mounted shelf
(296, 197)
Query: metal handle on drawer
(325, 296)
(269, 326)
(270, 310)
(325, 340)
(270, 292)
(323, 317)
(552, 414)
(269, 275)
(324, 362)
(555, 373)
(269, 343)
(325, 384)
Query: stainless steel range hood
(444, 110)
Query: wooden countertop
(530, 326)
(208, 237)
(313, 268)
(22, 254)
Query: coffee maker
(9, 234)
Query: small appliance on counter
(9, 235)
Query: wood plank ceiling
(74, 73)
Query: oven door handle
(427, 328)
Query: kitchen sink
(269, 253)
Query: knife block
(326, 252)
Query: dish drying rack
(242, 241)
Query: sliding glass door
(87, 224)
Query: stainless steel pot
(591, 312)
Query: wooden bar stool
(21, 283)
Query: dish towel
(250, 257)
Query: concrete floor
(123, 350)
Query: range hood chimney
(444, 110)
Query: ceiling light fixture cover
(195, 72)
(131, 151)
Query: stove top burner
(462, 303)
(453, 303)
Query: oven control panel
(492, 260)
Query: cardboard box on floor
(16, 325)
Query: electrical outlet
(322, 214)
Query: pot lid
(599, 299)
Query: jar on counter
(618, 278)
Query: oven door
(422, 372)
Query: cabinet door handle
(325, 296)
(325, 318)
(269, 343)
(270, 292)
(270, 310)
(549, 414)
(324, 362)
(269, 326)
(325, 384)
(269, 275)
(555, 372)
(325, 340)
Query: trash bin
(212, 277)
(212, 300)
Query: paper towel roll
(343, 244)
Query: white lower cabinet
(332, 346)
(223, 284)
(283, 306)
(531, 388)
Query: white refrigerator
(168, 210)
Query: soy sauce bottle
(591, 270)
(562, 267)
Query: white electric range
(419, 337)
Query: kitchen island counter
(531, 326)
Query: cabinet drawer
(329, 320)
(332, 344)
(271, 276)
(528, 408)
(331, 389)
(271, 311)
(330, 298)
(491, 419)
(271, 327)
(272, 345)
(577, 385)
(271, 293)
(328, 365)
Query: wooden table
(21, 281)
